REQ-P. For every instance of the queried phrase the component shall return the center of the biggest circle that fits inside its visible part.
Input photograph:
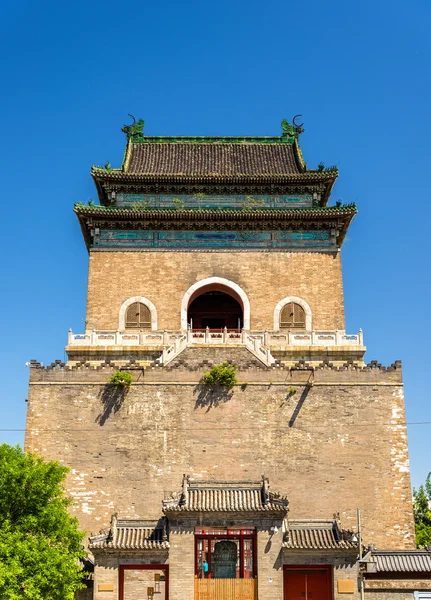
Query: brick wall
(163, 278)
(137, 582)
(395, 589)
(331, 447)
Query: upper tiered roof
(212, 160)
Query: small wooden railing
(225, 589)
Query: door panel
(307, 583)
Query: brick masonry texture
(164, 278)
(333, 446)
(137, 582)
(395, 589)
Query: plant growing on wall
(140, 205)
(179, 204)
(121, 378)
(251, 203)
(223, 375)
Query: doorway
(307, 582)
(149, 581)
(215, 310)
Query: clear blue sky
(357, 71)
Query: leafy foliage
(121, 378)
(223, 375)
(140, 205)
(40, 543)
(251, 203)
(179, 204)
(422, 512)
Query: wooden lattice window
(138, 316)
(292, 316)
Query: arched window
(138, 316)
(292, 316)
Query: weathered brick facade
(306, 415)
(164, 278)
(323, 445)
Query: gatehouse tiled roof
(132, 534)
(317, 535)
(225, 496)
(399, 561)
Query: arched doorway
(215, 309)
(216, 284)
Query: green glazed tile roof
(117, 175)
(225, 213)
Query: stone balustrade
(175, 338)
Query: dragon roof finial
(136, 129)
(292, 130)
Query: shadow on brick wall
(211, 397)
(111, 398)
(299, 405)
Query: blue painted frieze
(139, 201)
(173, 239)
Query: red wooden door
(307, 583)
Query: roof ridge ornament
(135, 130)
(292, 130)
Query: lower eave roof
(131, 534)
(400, 561)
(222, 214)
(118, 175)
(335, 217)
(318, 535)
(117, 178)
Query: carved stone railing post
(225, 335)
(207, 335)
(93, 338)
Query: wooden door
(307, 583)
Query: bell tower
(222, 252)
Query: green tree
(422, 512)
(40, 543)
